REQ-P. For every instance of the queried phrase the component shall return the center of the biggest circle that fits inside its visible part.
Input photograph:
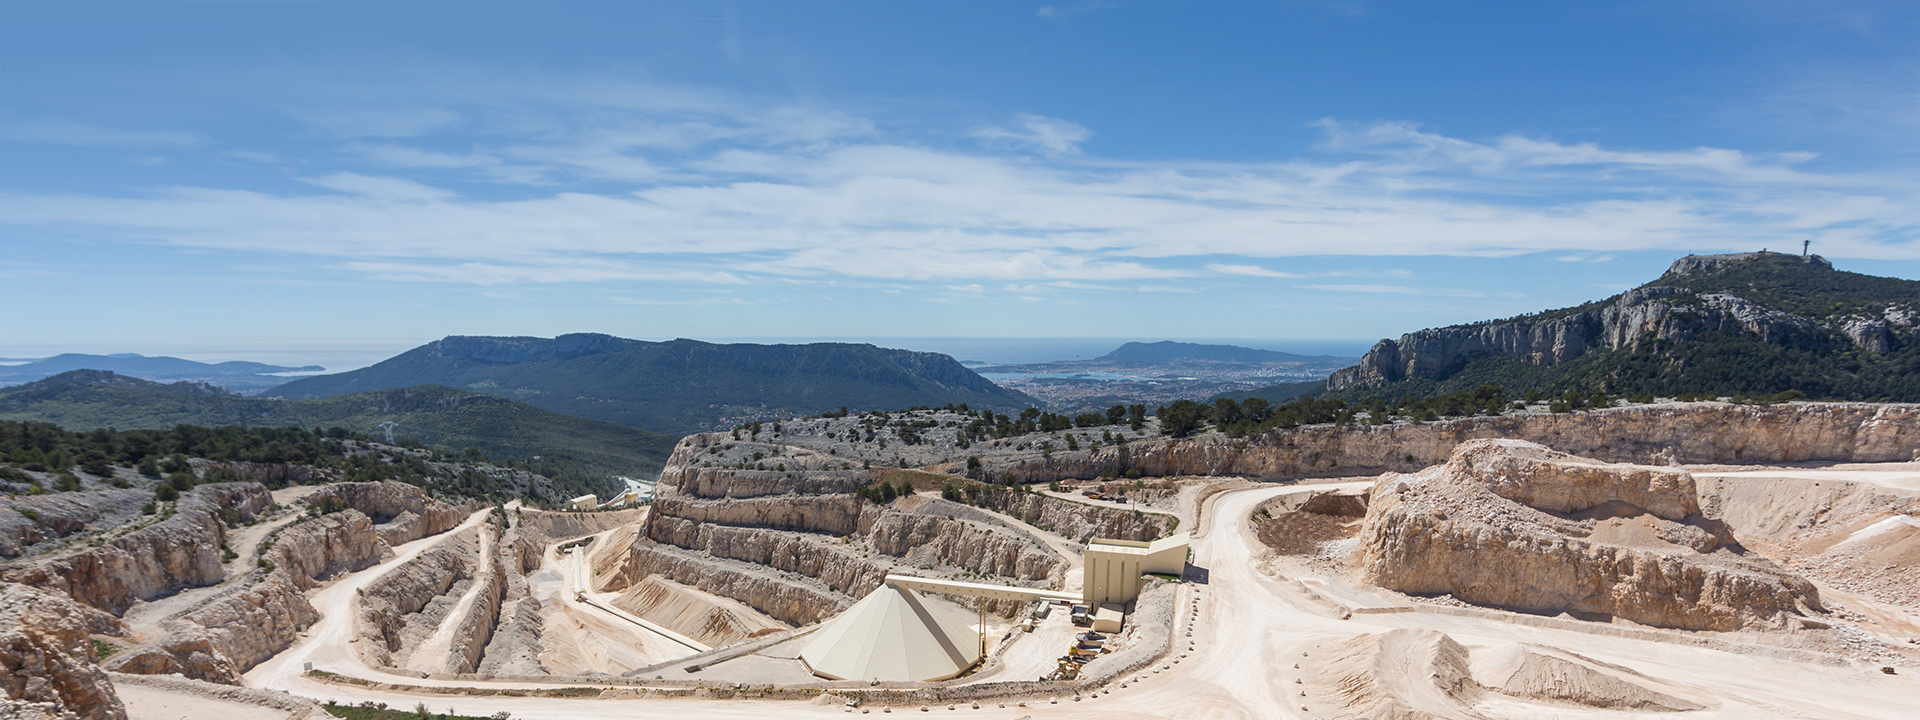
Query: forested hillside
(573, 450)
(674, 387)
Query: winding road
(1257, 644)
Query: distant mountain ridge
(1169, 351)
(582, 451)
(674, 386)
(1743, 323)
(239, 376)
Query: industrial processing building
(894, 635)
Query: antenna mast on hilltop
(1805, 246)
(389, 426)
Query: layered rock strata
(790, 602)
(1653, 312)
(475, 630)
(229, 635)
(1079, 521)
(181, 551)
(1673, 433)
(513, 648)
(47, 661)
(404, 512)
(1514, 525)
(29, 519)
(405, 590)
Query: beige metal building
(1113, 569)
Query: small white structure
(1113, 567)
(584, 502)
(892, 635)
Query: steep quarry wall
(929, 539)
(840, 570)
(1080, 521)
(827, 514)
(1688, 433)
(789, 602)
(45, 655)
(387, 601)
(513, 648)
(1512, 524)
(29, 519)
(475, 631)
(538, 528)
(179, 552)
(230, 634)
(1658, 312)
(404, 512)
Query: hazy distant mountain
(1740, 324)
(582, 450)
(675, 386)
(236, 376)
(1161, 372)
(1169, 351)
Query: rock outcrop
(1671, 433)
(1514, 525)
(29, 519)
(47, 661)
(404, 590)
(789, 602)
(1079, 521)
(178, 552)
(933, 539)
(1659, 311)
(403, 511)
(803, 518)
(230, 634)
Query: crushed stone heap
(1512, 524)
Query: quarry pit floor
(1257, 643)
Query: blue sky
(293, 180)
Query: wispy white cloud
(608, 183)
(1050, 136)
(1249, 271)
(380, 188)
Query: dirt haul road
(1258, 644)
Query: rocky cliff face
(1689, 433)
(835, 567)
(789, 602)
(29, 519)
(404, 511)
(1514, 525)
(178, 552)
(1658, 311)
(230, 634)
(1079, 521)
(932, 539)
(46, 657)
(403, 591)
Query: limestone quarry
(1681, 559)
